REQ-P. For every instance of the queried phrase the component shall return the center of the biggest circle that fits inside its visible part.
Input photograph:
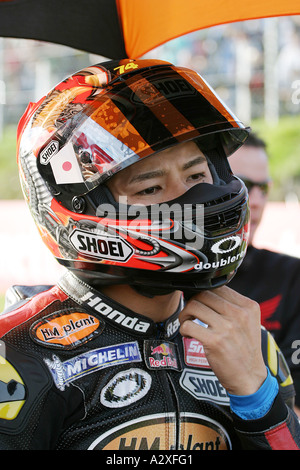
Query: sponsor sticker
(125, 388)
(154, 93)
(161, 355)
(101, 246)
(204, 385)
(131, 322)
(194, 354)
(172, 326)
(226, 245)
(66, 330)
(12, 391)
(220, 263)
(160, 432)
(64, 165)
(49, 151)
(73, 369)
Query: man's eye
(198, 176)
(149, 191)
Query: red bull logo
(161, 355)
(163, 349)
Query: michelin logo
(66, 372)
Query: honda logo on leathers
(130, 322)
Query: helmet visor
(134, 118)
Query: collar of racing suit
(116, 314)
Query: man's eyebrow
(195, 161)
(147, 176)
(158, 173)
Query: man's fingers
(226, 301)
(191, 329)
(195, 309)
(220, 310)
(232, 296)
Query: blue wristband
(258, 404)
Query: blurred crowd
(248, 63)
(243, 61)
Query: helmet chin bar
(145, 285)
(188, 291)
(216, 199)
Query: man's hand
(232, 339)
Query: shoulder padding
(18, 293)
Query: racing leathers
(80, 371)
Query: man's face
(163, 176)
(251, 163)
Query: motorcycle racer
(140, 345)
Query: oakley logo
(126, 388)
(102, 247)
(226, 245)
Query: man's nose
(177, 188)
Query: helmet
(99, 121)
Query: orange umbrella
(126, 28)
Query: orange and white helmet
(99, 121)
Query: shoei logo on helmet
(49, 152)
(227, 245)
(159, 90)
(102, 247)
